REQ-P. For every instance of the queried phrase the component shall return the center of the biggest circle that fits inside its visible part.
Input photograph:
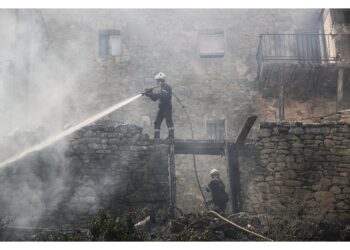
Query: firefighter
(217, 189)
(165, 107)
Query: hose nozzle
(148, 91)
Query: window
(347, 16)
(109, 43)
(211, 43)
(215, 129)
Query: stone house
(224, 64)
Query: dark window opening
(347, 16)
(109, 43)
(211, 43)
(215, 129)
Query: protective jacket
(164, 96)
(219, 195)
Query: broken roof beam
(245, 130)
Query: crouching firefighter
(165, 107)
(217, 189)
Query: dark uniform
(219, 195)
(165, 109)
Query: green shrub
(106, 228)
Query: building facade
(80, 62)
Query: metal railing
(299, 47)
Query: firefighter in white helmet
(165, 108)
(217, 189)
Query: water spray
(68, 131)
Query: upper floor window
(215, 129)
(109, 43)
(347, 16)
(211, 43)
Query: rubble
(200, 227)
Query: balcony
(303, 62)
(302, 68)
(299, 48)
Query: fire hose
(192, 136)
(199, 185)
(238, 226)
(194, 157)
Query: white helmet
(159, 76)
(214, 172)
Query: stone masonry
(100, 166)
(122, 166)
(305, 167)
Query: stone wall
(100, 166)
(305, 167)
(152, 40)
(341, 31)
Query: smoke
(51, 76)
(41, 92)
(63, 134)
(34, 186)
(50, 83)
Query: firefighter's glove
(147, 92)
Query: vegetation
(284, 226)
(104, 227)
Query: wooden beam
(245, 130)
(234, 177)
(172, 180)
(340, 89)
(199, 147)
(233, 164)
(281, 96)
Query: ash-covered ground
(202, 226)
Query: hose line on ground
(194, 157)
(238, 226)
(199, 185)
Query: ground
(194, 227)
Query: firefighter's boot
(156, 134)
(171, 134)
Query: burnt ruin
(264, 100)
